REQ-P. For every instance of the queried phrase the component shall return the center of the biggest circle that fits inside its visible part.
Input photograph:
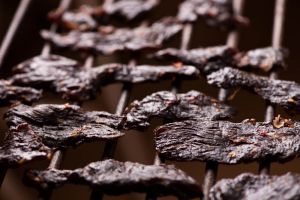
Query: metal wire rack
(211, 169)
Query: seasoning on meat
(217, 13)
(280, 92)
(263, 187)
(227, 142)
(78, 84)
(115, 178)
(62, 126)
(263, 58)
(10, 94)
(110, 40)
(205, 59)
(89, 18)
(175, 107)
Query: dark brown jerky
(10, 94)
(175, 107)
(62, 126)
(129, 9)
(78, 84)
(83, 19)
(110, 40)
(217, 13)
(263, 58)
(283, 93)
(262, 187)
(148, 73)
(115, 178)
(89, 18)
(227, 142)
(206, 59)
(58, 74)
(22, 145)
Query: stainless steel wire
(277, 36)
(185, 40)
(13, 27)
(211, 168)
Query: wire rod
(185, 40)
(277, 36)
(13, 27)
(211, 168)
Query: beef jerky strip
(115, 178)
(129, 9)
(110, 40)
(58, 74)
(206, 59)
(264, 187)
(174, 107)
(262, 58)
(85, 18)
(228, 142)
(89, 18)
(75, 83)
(62, 126)
(210, 59)
(283, 93)
(10, 94)
(217, 13)
(22, 145)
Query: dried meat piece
(89, 18)
(110, 40)
(205, 59)
(22, 145)
(129, 9)
(58, 74)
(227, 142)
(217, 13)
(62, 126)
(263, 58)
(175, 107)
(84, 19)
(10, 94)
(148, 73)
(78, 84)
(263, 187)
(280, 92)
(115, 178)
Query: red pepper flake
(178, 65)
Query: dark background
(136, 146)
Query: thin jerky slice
(263, 58)
(263, 187)
(62, 126)
(280, 92)
(83, 19)
(227, 142)
(89, 18)
(175, 107)
(22, 145)
(115, 178)
(206, 59)
(78, 84)
(217, 13)
(110, 40)
(129, 9)
(58, 74)
(148, 73)
(10, 94)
